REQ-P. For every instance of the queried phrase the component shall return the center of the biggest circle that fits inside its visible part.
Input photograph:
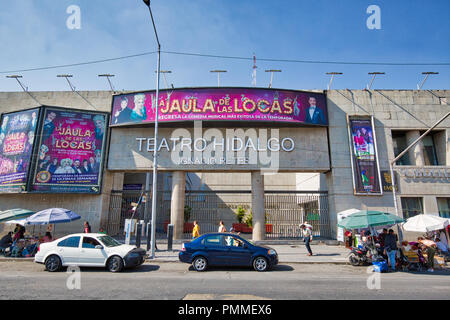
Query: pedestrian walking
(390, 248)
(307, 236)
(222, 227)
(196, 230)
(87, 227)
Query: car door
(69, 250)
(91, 253)
(238, 252)
(215, 247)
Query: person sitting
(47, 237)
(441, 247)
(6, 243)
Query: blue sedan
(226, 249)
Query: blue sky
(34, 34)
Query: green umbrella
(15, 214)
(366, 219)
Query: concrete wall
(392, 109)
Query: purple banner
(71, 149)
(221, 104)
(17, 135)
(366, 174)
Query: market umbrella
(52, 216)
(14, 214)
(366, 219)
(425, 223)
(22, 222)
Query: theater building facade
(261, 160)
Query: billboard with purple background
(17, 136)
(71, 151)
(221, 104)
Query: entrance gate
(285, 211)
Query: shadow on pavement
(276, 268)
(141, 268)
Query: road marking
(208, 296)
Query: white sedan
(88, 250)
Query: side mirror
(99, 247)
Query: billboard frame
(105, 147)
(219, 121)
(352, 155)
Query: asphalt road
(176, 281)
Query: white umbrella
(425, 223)
(21, 222)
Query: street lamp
(332, 78)
(218, 75)
(155, 154)
(109, 81)
(271, 75)
(373, 74)
(427, 74)
(164, 72)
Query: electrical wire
(231, 58)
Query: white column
(258, 208)
(177, 203)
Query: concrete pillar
(177, 203)
(415, 153)
(258, 208)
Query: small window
(72, 242)
(444, 207)
(411, 207)
(399, 144)
(215, 240)
(429, 151)
(90, 243)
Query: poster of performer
(366, 173)
(17, 136)
(71, 151)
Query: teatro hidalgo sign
(221, 104)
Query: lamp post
(107, 75)
(332, 78)
(155, 154)
(373, 74)
(426, 74)
(218, 75)
(271, 75)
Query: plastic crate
(380, 266)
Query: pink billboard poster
(221, 104)
(71, 150)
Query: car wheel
(53, 263)
(115, 264)
(200, 264)
(260, 264)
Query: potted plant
(240, 214)
(188, 226)
(249, 222)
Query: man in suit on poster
(313, 114)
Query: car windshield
(109, 242)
